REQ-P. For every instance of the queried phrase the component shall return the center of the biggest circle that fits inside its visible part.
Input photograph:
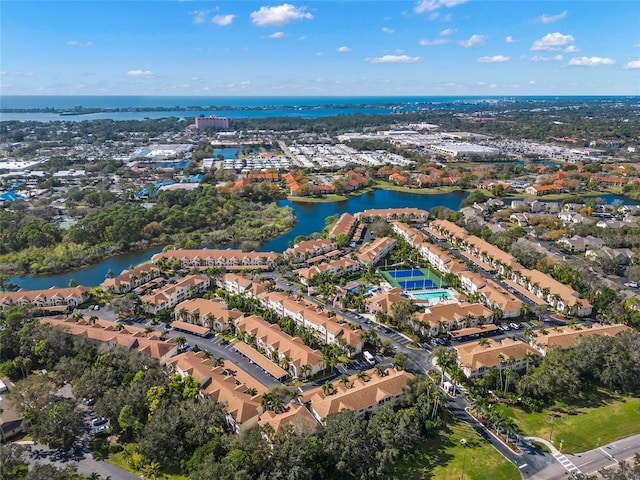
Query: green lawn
(443, 458)
(582, 428)
(119, 460)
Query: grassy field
(582, 428)
(443, 458)
(422, 191)
(118, 460)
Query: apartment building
(289, 352)
(339, 268)
(230, 259)
(172, 294)
(477, 358)
(131, 279)
(567, 336)
(213, 314)
(362, 395)
(132, 338)
(373, 252)
(310, 248)
(443, 318)
(227, 384)
(406, 214)
(71, 296)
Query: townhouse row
(560, 296)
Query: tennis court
(413, 278)
(414, 272)
(414, 284)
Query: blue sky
(236, 48)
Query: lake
(311, 218)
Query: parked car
(96, 422)
(101, 429)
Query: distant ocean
(242, 107)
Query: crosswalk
(567, 464)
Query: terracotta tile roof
(358, 395)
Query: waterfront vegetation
(187, 218)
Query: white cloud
(438, 41)
(280, 15)
(551, 42)
(431, 5)
(393, 59)
(632, 65)
(509, 39)
(474, 40)
(494, 59)
(6, 73)
(277, 35)
(75, 43)
(199, 16)
(572, 49)
(344, 49)
(388, 30)
(590, 61)
(539, 58)
(223, 20)
(140, 73)
(551, 18)
(447, 31)
(637, 45)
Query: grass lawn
(581, 428)
(422, 191)
(323, 199)
(443, 457)
(118, 460)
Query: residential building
(361, 395)
(373, 252)
(173, 293)
(309, 249)
(132, 278)
(227, 384)
(339, 268)
(103, 331)
(443, 318)
(345, 225)
(230, 259)
(477, 358)
(213, 314)
(295, 415)
(288, 352)
(211, 122)
(71, 296)
(567, 336)
(407, 214)
(239, 285)
(306, 314)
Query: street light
(553, 421)
(463, 441)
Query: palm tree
(251, 391)
(151, 470)
(500, 362)
(379, 369)
(266, 400)
(456, 375)
(361, 375)
(304, 370)
(327, 388)
(344, 381)
(294, 394)
(529, 357)
(483, 342)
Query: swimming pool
(441, 295)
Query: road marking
(566, 463)
(522, 466)
(606, 453)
